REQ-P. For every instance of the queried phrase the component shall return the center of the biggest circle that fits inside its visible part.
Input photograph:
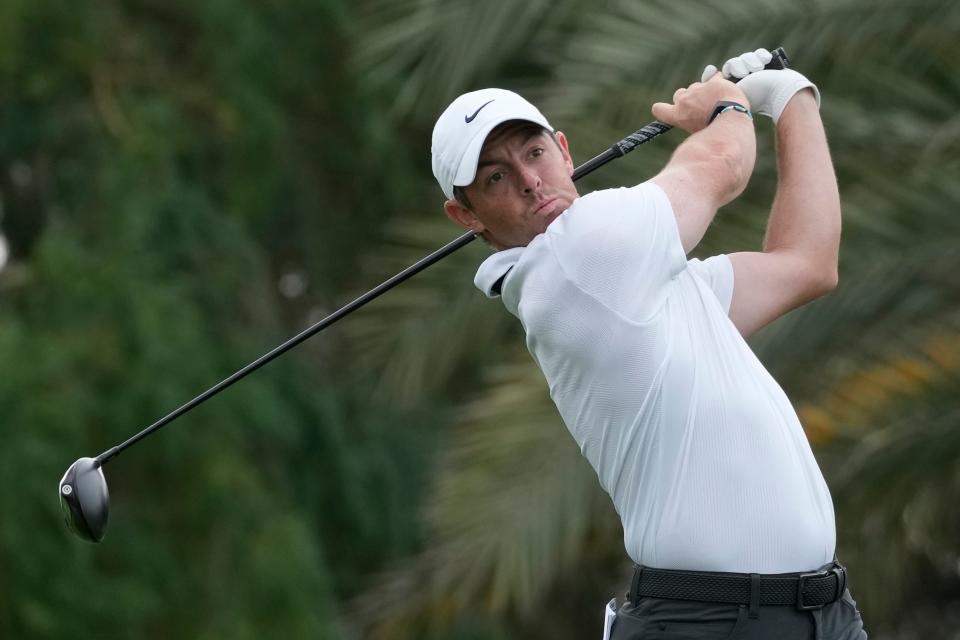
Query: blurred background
(184, 185)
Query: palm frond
(885, 310)
(896, 489)
(866, 362)
(423, 335)
(513, 508)
(429, 51)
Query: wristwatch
(727, 105)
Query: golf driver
(84, 499)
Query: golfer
(725, 512)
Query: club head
(84, 499)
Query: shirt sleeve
(621, 246)
(717, 273)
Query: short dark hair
(515, 126)
(460, 195)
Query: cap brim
(467, 170)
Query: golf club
(84, 499)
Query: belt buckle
(800, 580)
(841, 573)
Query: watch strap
(727, 105)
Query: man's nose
(530, 181)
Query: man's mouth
(544, 206)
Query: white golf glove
(768, 90)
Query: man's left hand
(769, 90)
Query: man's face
(523, 183)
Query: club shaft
(385, 286)
(618, 150)
(382, 288)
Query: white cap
(462, 129)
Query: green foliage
(95, 351)
(163, 165)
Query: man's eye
(495, 177)
(537, 152)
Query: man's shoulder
(608, 213)
(600, 198)
(616, 201)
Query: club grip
(779, 61)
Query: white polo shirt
(696, 443)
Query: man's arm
(713, 165)
(800, 253)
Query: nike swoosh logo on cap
(469, 119)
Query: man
(724, 508)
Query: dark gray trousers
(658, 619)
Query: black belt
(803, 590)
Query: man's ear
(565, 149)
(462, 216)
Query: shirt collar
(494, 269)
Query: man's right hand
(693, 105)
